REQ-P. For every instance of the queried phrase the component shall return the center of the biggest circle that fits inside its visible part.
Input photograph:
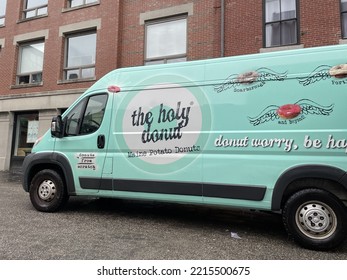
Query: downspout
(222, 31)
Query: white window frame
(280, 22)
(343, 20)
(84, 3)
(167, 58)
(79, 69)
(2, 16)
(37, 10)
(32, 76)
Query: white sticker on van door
(162, 125)
(86, 161)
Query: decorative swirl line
(268, 114)
(318, 74)
(309, 107)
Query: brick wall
(320, 22)
(121, 38)
(203, 29)
(243, 27)
(107, 43)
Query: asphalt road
(97, 229)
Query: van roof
(118, 77)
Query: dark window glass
(87, 116)
(344, 18)
(280, 23)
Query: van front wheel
(315, 219)
(47, 191)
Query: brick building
(51, 51)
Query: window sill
(282, 48)
(31, 18)
(63, 82)
(65, 10)
(26, 86)
(343, 41)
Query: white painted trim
(284, 48)
(80, 26)
(167, 12)
(31, 36)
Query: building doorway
(25, 133)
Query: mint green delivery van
(264, 131)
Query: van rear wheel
(315, 219)
(47, 191)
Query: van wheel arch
(330, 179)
(39, 167)
(35, 163)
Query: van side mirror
(57, 127)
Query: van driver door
(86, 126)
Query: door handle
(101, 141)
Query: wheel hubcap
(316, 220)
(47, 190)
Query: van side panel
(220, 131)
(223, 131)
(273, 113)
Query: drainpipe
(222, 24)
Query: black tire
(315, 219)
(47, 191)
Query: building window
(30, 63)
(34, 8)
(281, 23)
(80, 56)
(344, 18)
(2, 11)
(26, 133)
(76, 3)
(166, 41)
